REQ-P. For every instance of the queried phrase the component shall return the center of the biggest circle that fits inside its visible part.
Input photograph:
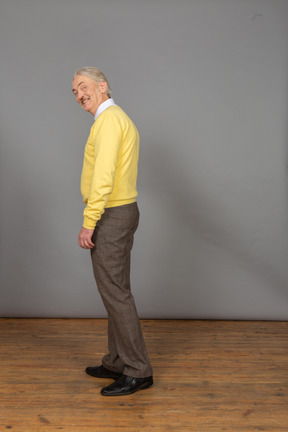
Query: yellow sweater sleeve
(110, 165)
(106, 140)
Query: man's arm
(106, 151)
(107, 140)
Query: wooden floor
(209, 376)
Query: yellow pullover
(110, 165)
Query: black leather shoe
(102, 372)
(126, 385)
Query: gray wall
(206, 83)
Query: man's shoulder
(113, 110)
(114, 114)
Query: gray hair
(96, 74)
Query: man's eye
(84, 87)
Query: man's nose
(79, 95)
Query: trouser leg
(113, 239)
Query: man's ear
(103, 86)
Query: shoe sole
(143, 387)
(102, 376)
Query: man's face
(88, 93)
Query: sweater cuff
(88, 223)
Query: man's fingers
(89, 245)
(85, 238)
(86, 244)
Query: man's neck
(104, 105)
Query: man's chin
(86, 108)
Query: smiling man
(111, 216)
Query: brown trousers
(113, 239)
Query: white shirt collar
(109, 102)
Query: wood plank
(209, 376)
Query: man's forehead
(82, 82)
(80, 79)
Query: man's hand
(84, 238)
